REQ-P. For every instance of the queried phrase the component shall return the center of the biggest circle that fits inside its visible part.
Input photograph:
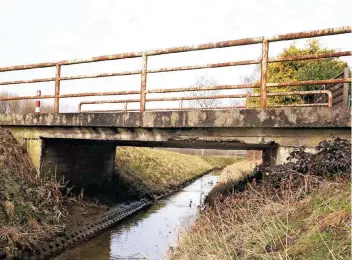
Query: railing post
(143, 81)
(247, 99)
(346, 87)
(181, 104)
(264, 72)
(57, 89)
(125, 107)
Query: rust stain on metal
(29, 66)
(309, 82)
(102, 75)
(94, 94)
(205, 66)
(264, 72)
(164, 109)
(245, 95)
(310, 34)
(313, 56)
(26, 81)
(144, 70)
(293, 93)
(143, 82)
(26, 97)
(217, 87)
(57, 89)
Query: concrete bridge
(82, 146)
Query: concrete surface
(55, 140)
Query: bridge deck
(309, 117)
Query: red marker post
(37, 102)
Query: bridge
(82, 145)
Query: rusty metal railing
(144, 71)
(127, 101)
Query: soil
(83, 212)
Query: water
(149, 233)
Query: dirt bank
(31, 210)
(300, 210)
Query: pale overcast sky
(41, 30)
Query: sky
(41, 31)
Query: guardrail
(127, 101)
(144, 71)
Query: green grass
(219, 161)
(151, 171)
(324, 230)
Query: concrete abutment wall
(85, 163)
(280, 154)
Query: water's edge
(149, 232)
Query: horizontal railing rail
(144, 71)
(181, 99)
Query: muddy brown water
(149, 233)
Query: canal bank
(300, 210)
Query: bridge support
(85, 163)
(280, 154)
(270, 156)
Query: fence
(339, 91)
(144, 71)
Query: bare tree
(204, 103)
(28, 106)
(248, 80)
(238, 102)
(7, 107)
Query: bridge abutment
(280, 154)
(85, 163)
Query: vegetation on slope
(30, 209)
(150, 171)
(230, 178)
(219, 162)
(301, 210)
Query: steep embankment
(30, 209)
(144, 171)
(301, 210)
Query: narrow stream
(149, 233)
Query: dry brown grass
(30, 208)
(260, 223)
(237, 171)
(230, 176)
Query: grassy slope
(259, 226)
(150, 171)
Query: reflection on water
(149, 233)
